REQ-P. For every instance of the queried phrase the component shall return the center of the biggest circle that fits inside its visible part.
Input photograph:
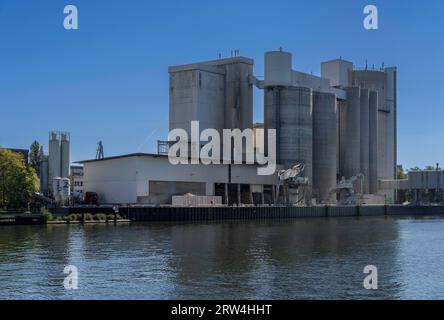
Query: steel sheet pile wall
(342, 211)
(190, 214)
(372, 210)
(225, 213)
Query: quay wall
(146, 213)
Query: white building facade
(151, 179)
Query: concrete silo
(278, 70)
(373, 142)
(218, 93)
(238, 94)
(391, 106)
(64, 160)
(54, 160)
(58, 158)
(350, 134)
(325, 134)
(365, 140)
(289, 111)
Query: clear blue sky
(108, 80)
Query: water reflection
(316, 258)
(306, 258)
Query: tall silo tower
(54, 160)
(64, 160)
(288, 109)
(325, 140)
(373, 142)
(365, 139)
(58, 158)
(350, 134)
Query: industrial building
(426, 186)
(151, 179)
(341, 126)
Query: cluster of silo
(358, 143)
(342, 124)
(382, 118)
(58, 165)
(306, 124)
(377, 124)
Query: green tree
(17, 180)
(432, 168)
(400, 173)
(403, 195)
(41, 154)
(34, 156)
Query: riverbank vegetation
(18, 181)
(88, 217)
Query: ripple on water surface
(290, 259)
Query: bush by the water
(88, 217)
(100, 217)
(110, 217)
(47, 213)
(73, 217)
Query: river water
(315, 258)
